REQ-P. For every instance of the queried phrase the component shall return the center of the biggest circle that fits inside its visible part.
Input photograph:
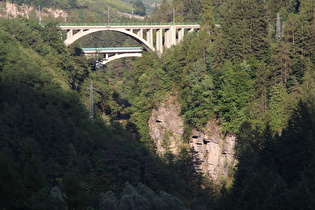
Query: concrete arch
(72, 38)
(124, 55)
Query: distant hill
(79, 10)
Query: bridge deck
(104, 26)
(127, 24)
(107, 50)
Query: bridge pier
(70, 33)
(170, 37)
(140, 33)
(150, 36)
(159, 41)
(181, 33)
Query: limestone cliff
(213, 149)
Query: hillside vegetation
(257, 82)
(52, 156)
(254, 75)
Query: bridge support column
(159, 41)
(69, 34)
(167, 38)
(140, 33)
(181, 34)
(170, 37)
(150, 36)
(190, 30)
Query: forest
(251, 67)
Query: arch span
(124, 55)
(166, 35)
(74, 37)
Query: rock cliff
(10, 10)
(214, 150)
(167, 127)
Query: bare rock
(166, 126)
(10, 10)
(214, 150)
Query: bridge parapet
(166, 34)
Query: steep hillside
(53, 156)
(151, 130)
(77, 11)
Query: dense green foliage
(177, 10)
(257, 86)
(139, 8)
(52, 156)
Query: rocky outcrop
(167, 127)
(214, 150)
(10, 10)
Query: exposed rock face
(214, 150)
(10, 10)
(166, 126)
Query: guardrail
(112, 48)
(126, 24)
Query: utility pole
(173, 15)
(278, 27)
(39, 14)
(7, 11)
(91, 102)
(108, 16)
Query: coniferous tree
(298, 143)
(282, 63)
(245, 32)
(305, 38)
(207, 20)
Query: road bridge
(166, 35)
(113, 53)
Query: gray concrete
(113, 53)
(172, 34)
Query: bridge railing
(113, 48)
(125, 24)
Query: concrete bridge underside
(113, 53)
(165, 35)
